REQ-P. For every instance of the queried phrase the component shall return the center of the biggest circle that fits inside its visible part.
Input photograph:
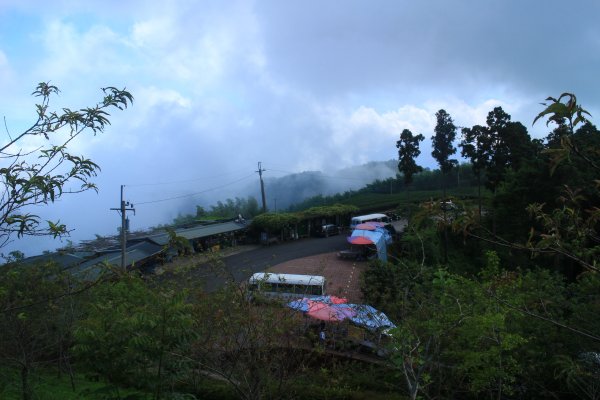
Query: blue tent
(378, 236)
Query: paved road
(242, 265)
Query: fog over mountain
(159, 203)
(285, 190)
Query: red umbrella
(366, 226)
(337, 300)
(359, 240)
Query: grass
(328, 379)
(47, 385)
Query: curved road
(242, 265)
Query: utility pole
(124, 225)
(262, 187)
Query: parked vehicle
(447, 205)
(328, 230)
(369, 218)
(286, 286)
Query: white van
(369, 218)
(287, 286)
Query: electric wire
(193, 194)
(181, 181)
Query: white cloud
(154, 33)
(87, 55)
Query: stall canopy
(334, 309)
(374, 235)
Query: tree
(251, 344)
(445, 133)
(43, 175)
(473, 147)
(408, 150)
(131, 331)
(571, 230)
(508, 144)
(36, 314)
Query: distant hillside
(294, 188)
(389, 192)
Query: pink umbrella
(330, 312)
(376, 224)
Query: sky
(296, 85)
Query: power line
(193, 194)
(181, 181)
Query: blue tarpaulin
(364, 315)
(370, 318)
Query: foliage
(506, 146)
(231, 208)
(445, 133)
(408, 150)
(130, 332)
(36, 315)
(274, 222)
(50, 385)
(571, 230)
(251, 345)
(43, 174)
(177, 243)
(247, 207)
(329, 211)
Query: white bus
(287, 285)
(360, 219)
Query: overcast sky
(298, 85)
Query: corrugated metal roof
(135, 253)
(137, 250)
(201, 231)
(62, 259)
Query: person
(322, 337)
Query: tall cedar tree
(408, 150)
(473, 146)
(445, 133)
